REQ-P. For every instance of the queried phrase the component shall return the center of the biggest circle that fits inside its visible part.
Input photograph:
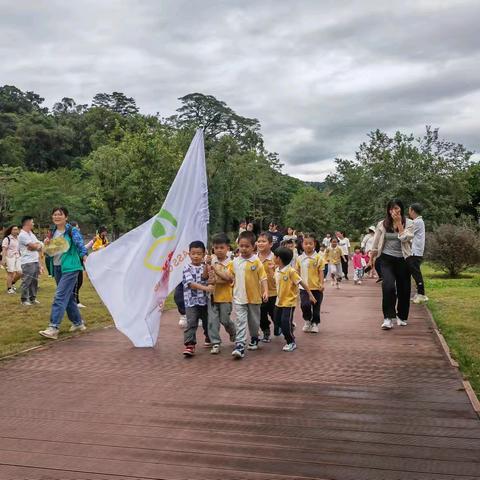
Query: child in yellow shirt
(310, 267)
(250, 288)
(333, 256)
(288, 280)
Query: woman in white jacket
(393, 244)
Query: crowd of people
(263, 279)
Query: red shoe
(189, 350)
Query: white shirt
(418, 242)
(11, 244)
(239, 287)
(344, 244)
(26, 255)
(326, 241)
(367, 242)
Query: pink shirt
(357, 260)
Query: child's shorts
(336, 270)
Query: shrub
(453, 249)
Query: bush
(453, 249)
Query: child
(333, 256)
(249, 289)
(310, 267)
(195, 290)
(264, 251)
(287, 280)
(290, 244)
(220, 304)
(358, 266)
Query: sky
(319, 75)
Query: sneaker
(307, 327)
(182, 323)
(11, 291)
(387, 324)
(238, 352)
(189, 350)
(78, 328)
(26, 303)
(215, 349)
(359, 282)
(50, 332)
(14, 288)
(314, 328)
(35, 302)
(289, 347)
(401, 323)
(419, 299)
(207, 343)
(266, 337)
(253, 345)
(81, 305)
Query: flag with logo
(134, 275)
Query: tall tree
(116, 102)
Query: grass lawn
(20, 325)
(455, 305)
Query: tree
(116, 102)
(14, 100)
(453, 249)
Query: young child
(287, 280)
(290, 244)
(333, 256)
(264, 252)
(358, 266)
(220, 304)
(310, 267)
(195, 291)
(250, 288)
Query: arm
(305, 287)
(199, 286)
(4, 255)
(320, 275)
(227, 276)
(77, 239)
(406, 233)
(264, 284)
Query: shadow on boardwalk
(353, 402)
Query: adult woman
(65, 245)
(392, 243)
(291, 234)
(11, 257)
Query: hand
(265, 297)
(210, 288)
(46, 241)
(42, 270)
(313, 299)
(208, 260)
(321, 288)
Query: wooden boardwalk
(352, 403)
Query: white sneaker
(215, 349)
(81, 305)
(359, 282)
(387, 324)
(314, 328)
(307, 327)
(50, 332)
(35, 302)
(414, 299)
(182, 323)
(401, 323)
(26, 303)
(420, 299)
(78, 328)
(289, 347)
(11, 291)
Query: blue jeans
(64, 299)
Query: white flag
(134, 275)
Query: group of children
(262, 286)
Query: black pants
(414, 266)
(284, 317)
(378, 266)
(395, 287)
(78, 286)
(311, 313)
(267, 309)
(178, 299)
(345, 267)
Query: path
(352, 403)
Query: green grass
(455, 305)
(20, 325)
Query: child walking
(358, 266)
(333, 256)
(310, 267)
(195, 291)
(220, 304)
(250, 288)
(267, 309)
(288, 280)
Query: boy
(358, 266)
(287, 280)
(220, 304)
(249, 289)
(264, 251)
(418, 247)
(310, 267)
(334, 256)
(290, 244)
(195, 290)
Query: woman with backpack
(65, 245)
(11, 257)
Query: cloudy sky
(318, 74)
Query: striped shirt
(194, 297)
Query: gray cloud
(318, 75)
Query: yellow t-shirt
(287, 280)
(223, 289)
(269, 266)
(309, 268)
(248, 273)
(333, 255)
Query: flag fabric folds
(134, 275)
